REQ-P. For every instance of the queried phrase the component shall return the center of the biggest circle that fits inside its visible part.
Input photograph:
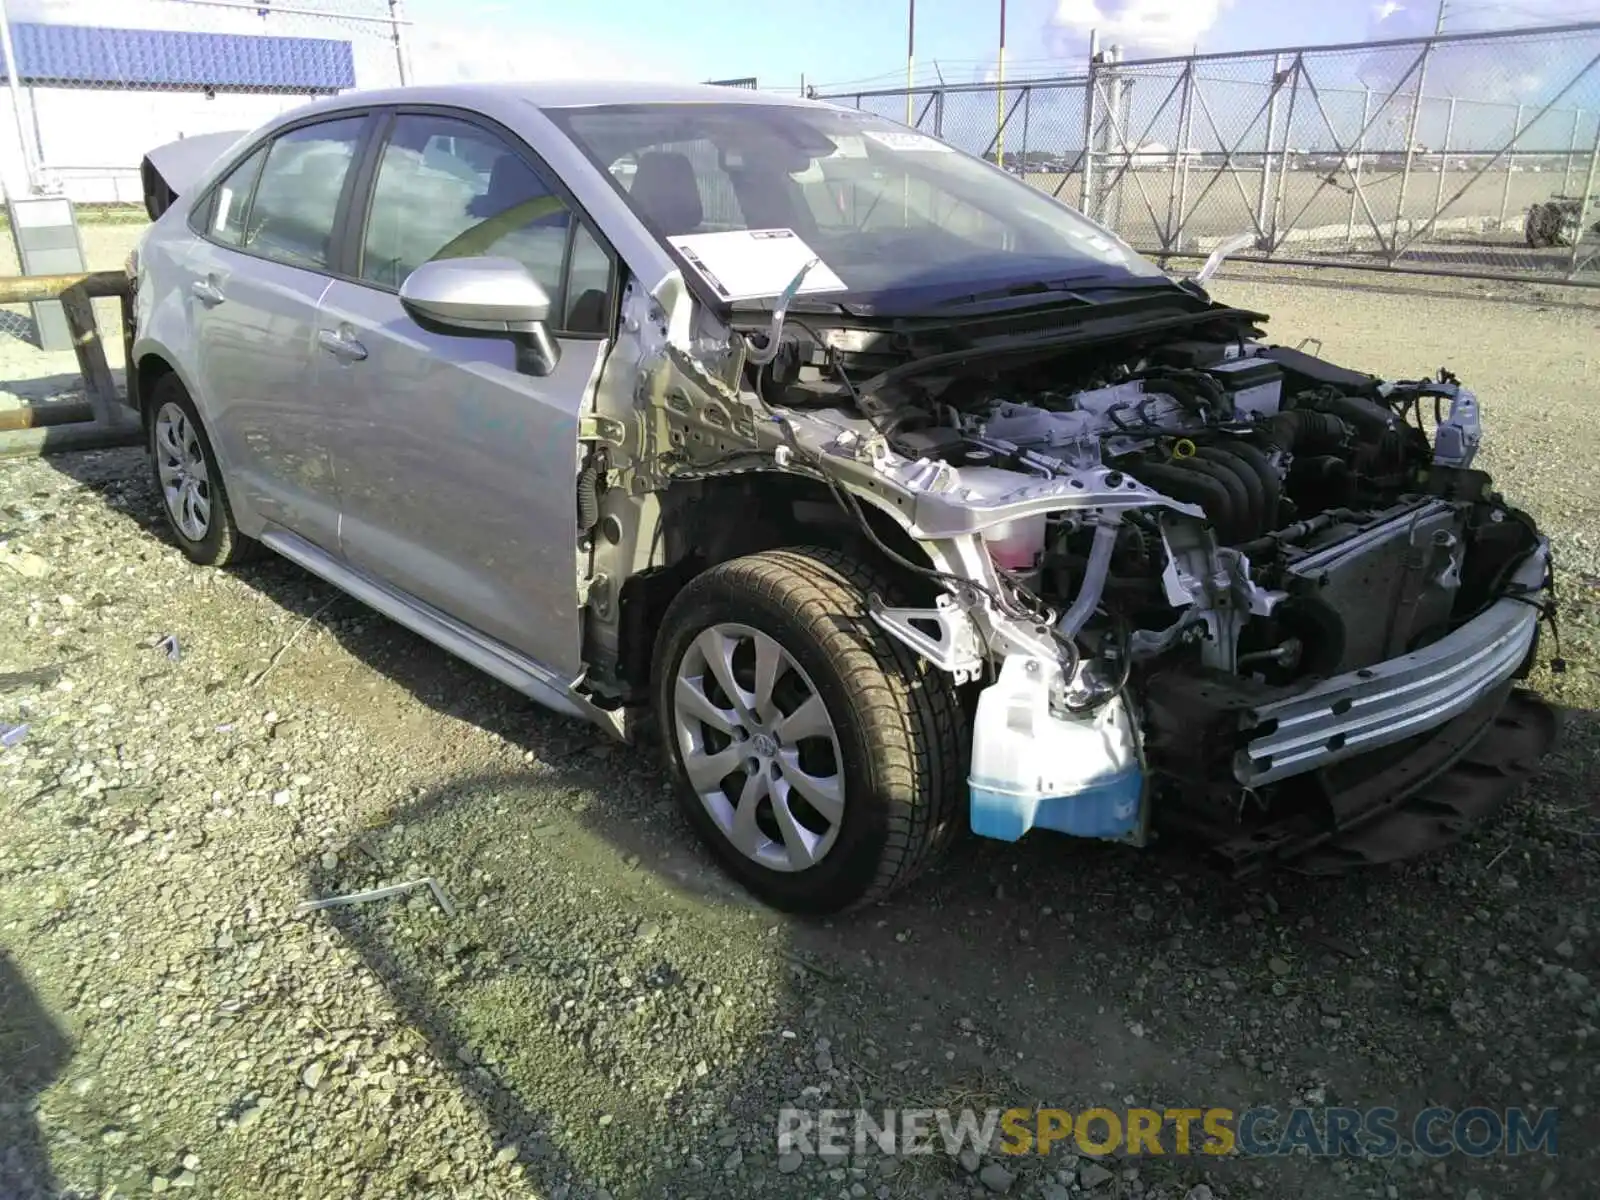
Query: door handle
(206, 291)
(341, 345)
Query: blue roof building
(80, 56)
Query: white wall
(93, 138)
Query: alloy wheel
(759, 747)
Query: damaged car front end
(1188, 581)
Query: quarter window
(448, 189)
(291, 219)
(232, 203)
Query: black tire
(221, 544)
(898, 721)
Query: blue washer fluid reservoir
(1076, 774)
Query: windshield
(748, 193)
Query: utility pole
(397, 24)
(911, 52)
(1438, 21)
(1000, 95)
(30, 164)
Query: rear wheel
(189, 481)
(821, 761)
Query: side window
(588, 286)
(232, 200)
(297, 199)
(448, 189)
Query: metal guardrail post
(113, 423)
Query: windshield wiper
(1051, 287)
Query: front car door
(457, 472)
(257, 276)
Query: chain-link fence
(91, 84)
(1464, 154)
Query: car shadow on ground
(577, 992)
(33, 1051)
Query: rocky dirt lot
(601, 1014)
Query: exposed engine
(1231, 583)
(1313, 473)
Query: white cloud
(1140, 26)
(1503, 72)
(1416, 18)
(440, 50)
(442, 53)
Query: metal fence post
(1355, 172)
(1283, 155)
(1091, 87)
(1511, 161)
(1186, 138)
(1027, 111)
(1444, 159)
(1572, 150)
(1411, 144)
(1266, 146)
(1211, 126)
(1180, 152)
(1117, 127)
(1583, 207)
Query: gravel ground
(603, 1014)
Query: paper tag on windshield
(849, 146)
(749, 264)
(894, 139)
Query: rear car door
(458, 472)
(258, 275)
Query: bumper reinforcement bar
(1360, 711)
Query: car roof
(573, 93)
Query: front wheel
(820, 760)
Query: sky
(823, 42)
(831, 42)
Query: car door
(258, 274)
(457, 471)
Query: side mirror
(484, 297)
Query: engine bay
(1327, 485)
(1173, 568)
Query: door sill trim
(493, 658)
